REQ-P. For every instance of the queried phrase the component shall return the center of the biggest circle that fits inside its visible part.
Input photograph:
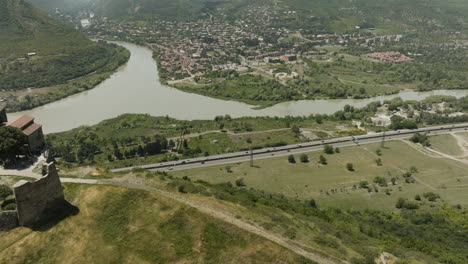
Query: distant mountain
(38, 51)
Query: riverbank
(26, 99)
(136, 88)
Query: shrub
(240, 182)
(9, 207)
(181, 189)
(405, 204)
(430, 196)
(421, 139)
(5, 191)
(364, 185)
(291, 159)
(378, 162)
(304, 158)
(350, 166)
(322, 160)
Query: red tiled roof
(21, 122)
(31, 129)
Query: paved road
(265, 153)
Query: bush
(291, 159)
(240, 182)
(5, 191)
(378, 152)
(430, 196)
(350, 166)
(381, 181)
(421, 139)
(10, 207)
(304, 158)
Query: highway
(243, 156)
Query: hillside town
(194, 48)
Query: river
(135, 88)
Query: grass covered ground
(117, 225)
(336, 186)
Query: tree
(240, 182)
(378, 152)
(350, 166)
(291, 159)
(304, 158)
(12, 143)
(322, 160)
(337, 150)
(328, 149)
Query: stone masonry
(36, 201)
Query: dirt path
(462, 144)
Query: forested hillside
(38, 51)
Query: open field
(334, 185)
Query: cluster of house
(391, 56)
(33, 131)
(189, 49)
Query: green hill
(60, 53)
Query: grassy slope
(311, 180)
(117, 225)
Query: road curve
(265, 153)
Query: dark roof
(31, 129)
(21, 122)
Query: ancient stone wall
(36, 201)
(8, 220)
